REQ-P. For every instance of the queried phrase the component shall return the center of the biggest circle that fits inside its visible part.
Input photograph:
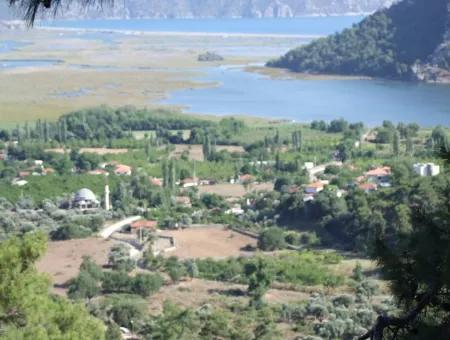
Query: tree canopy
(27, 310)
(386, 44)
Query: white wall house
(426, 169)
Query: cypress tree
(396, 144)
(409, 146)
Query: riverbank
(279, 73)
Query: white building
(85, 199)
(428, 169)
(308, 165)
(235, 210)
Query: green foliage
(385, 44)
(357, 273)
(302, 268)
(106, 123)
(26, 307)
(113, 332)
(259, 279)
(40, 188)
(146, 284)
(70, 231)
(271, 239)
(125, 310)
(211, 322)
(119, 258)
(175, 269)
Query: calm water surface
(20, 63)
(370, 101)
(291, 26)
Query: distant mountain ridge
(135, 9)
(408, 41)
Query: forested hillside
(390, 44)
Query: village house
(245, 179)
(156, 181)
(308, 197)
(19, 182)
(207, 182)
(380, 176)
(23, 174)
(141, 227)
(149, 225)
(368, 187)
(427, 169)
(308, 165)
(314, 188)
(98, 172)
(48, 171)
(123, 170)
(236, 209)
(189, 182)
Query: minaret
(107, 196)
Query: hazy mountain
(222, 8)
(410, 40)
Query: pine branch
(383, 321)
(32, 7)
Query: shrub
(119, 258)
(271, 239)
(70, 231)
(116, 282)
(126, 310)
(309, 239)
(113, 332)
(83, 286)
(146, 284)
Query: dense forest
(386, 44)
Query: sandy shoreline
(280, 73)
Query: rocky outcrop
(437, 68)
(218, 8)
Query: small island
(210, 56)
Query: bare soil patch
(223, 189)
(203, 242)
(195, 152)
(63, 258)
(231, 148)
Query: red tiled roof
(368, 186)
(246, 177)
(315, 185)
(145, 224)
(382, 171)
(24, 173)
(155, 181)
(122, 168)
